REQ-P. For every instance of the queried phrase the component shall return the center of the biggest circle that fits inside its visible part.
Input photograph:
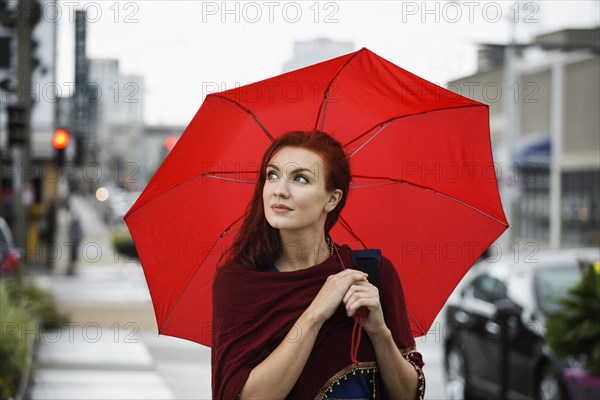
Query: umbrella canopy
(423, 190)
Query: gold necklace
(329, 244)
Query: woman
(284, 305)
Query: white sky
(179, 46)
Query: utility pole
(81, 108)
(512, 127)
(26, 18)
(557, 128)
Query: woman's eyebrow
(276, 168)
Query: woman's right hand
(332, 293)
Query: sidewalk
(111, 349)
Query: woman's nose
(281, 188)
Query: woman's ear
(334, 199)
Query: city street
(463, 137)
(111, 349)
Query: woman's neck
(301, 252)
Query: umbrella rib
(214, 175)
(390, 120)
(221, 236)
(349, 229)
(247, 110)
(231, 180)
(383, 126)
(401, 181)
(375, 185)
(470, 206)
(228, 179)
(415, 321)
(206, 175)
(325, 101)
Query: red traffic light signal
(170, 142)
(60, 139)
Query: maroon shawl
(253, 311)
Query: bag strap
(368, 261)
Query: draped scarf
(254, 311)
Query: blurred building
(317, 50)
(119, 120)
(103, 112)
(37, 175)
(544, 117)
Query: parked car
(472, 342)
(10, 258)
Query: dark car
(10, 258)
(473, 339)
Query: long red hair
(257, 244)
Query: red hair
(257, 244)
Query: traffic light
(60, 141)
(16, 125)
(8, 15)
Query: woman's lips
(280, 208)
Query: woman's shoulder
(229, 269)
(388, 272)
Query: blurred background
(94, 95)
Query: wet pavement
(111, 349)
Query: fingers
(348, 277)
(352, 273)
(361, 294)
(361, 286)
(370, 303)
(331, 294)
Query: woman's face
(294, 194)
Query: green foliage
(575, 331)
(24, 310)
(14, 344)
(38, 302)
(121, 241)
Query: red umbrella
(424, 187)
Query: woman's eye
(271, 175)
(302, 178)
